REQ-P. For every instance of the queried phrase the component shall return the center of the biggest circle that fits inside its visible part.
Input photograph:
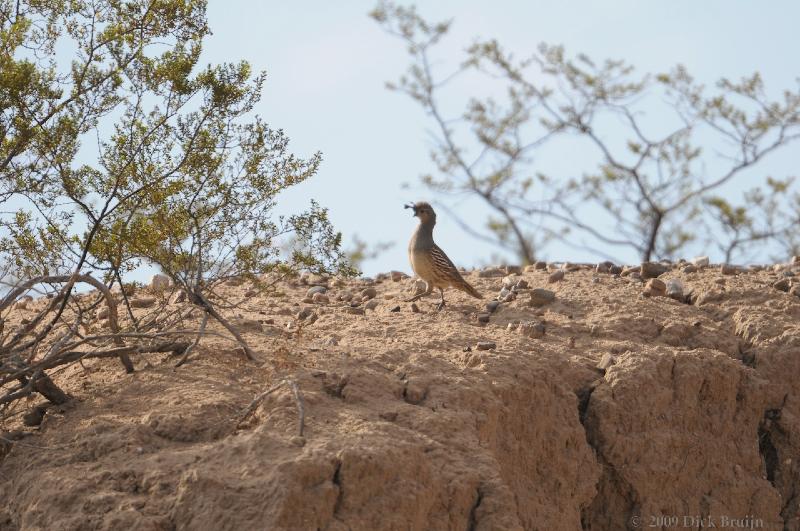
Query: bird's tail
(467, 288)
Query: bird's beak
(412, 207)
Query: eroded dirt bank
(628, 409)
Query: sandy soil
(631, 411)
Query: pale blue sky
(327, 63)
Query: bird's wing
(443, 265)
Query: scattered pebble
(418, 286)
(483, 317)
(314, 290)
(783, 285)
(556, 276)
(354, 310)
(541, 297)
(320, 298)
(655, 288)
(652, 269)
(604, 267)
(727, 269)
(691, 268)
(371, 305)
(509, 281)
(521, 284)
(532, 329)
(345, 296)
(395, 309)
(414, 307)
(513, 269)
(700, 261)
(397, 276)
(492, 306)
(369, 293)
(491, 272)
(143, 302)
(485, 345)
(675, 289)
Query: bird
(429, 262)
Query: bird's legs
(428, 291)
(441, 303)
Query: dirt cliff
(609, 406)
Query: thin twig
(298, 397)
(196, 341)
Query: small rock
(298, 440)
(540, 266)
(521, 284)
(418, 286)
(143, 302)
(691, 268)
(354, 310)
(655, 288)
(508, 297)
(251, 293)
(541, 297)
(795, 290)
(491, 272)
(727, 269)
(320, 298)
(652, 269)
(369, 293)
(304, 314)
(371, 305)
(35, 416)
(605, 362)
(389, 416)
(783, 285)
(345, 296)
(503, 293)
(103, 313)
(331, 341)
(397, 276)
(483, 317)
(604, 267)
(509, 281)
(485, 345)
(159, 282)
(243, 323)
(414, 307)
(512, 326)
(492, 306)
(532, 329)
(556, 276)
(314, 290)
(700, 261)
(675, 289)
(395, 309)
(615, 270)
(312, 279)
(513, 269)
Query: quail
(429, 262)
